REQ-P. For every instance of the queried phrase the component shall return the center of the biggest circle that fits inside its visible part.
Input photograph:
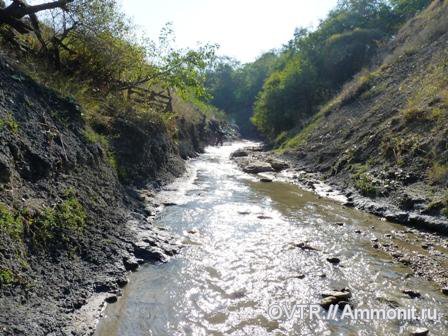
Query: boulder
(257, 167)
(239, 153)
(278, 166)
(334, 260)
(419, 332)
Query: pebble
(328, 301)
(419, 332)
(305, 247)
(413, 294)
(112, 299)
(445, 290)
(334, 260)
(338, 295)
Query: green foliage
(363, 181)
(301, 137)
(288, 97)
(10, 223)
(97, 57)
(234, 87)
(408, 8)
(11, 123)
(96, 138)
(58, 226)
(6, 277)
(314, 65)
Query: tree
(13, 15)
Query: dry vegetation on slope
(386, 133)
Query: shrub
(10, 123)
(363, 181)
(6, 276)
(58, 226)
(96, 138)
(365, 185)
(438, 173)
(10, 223)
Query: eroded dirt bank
(71, 229)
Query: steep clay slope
(386, 134)
(68, 227)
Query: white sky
(244, 29)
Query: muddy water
(240, 258)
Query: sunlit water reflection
(238, 264)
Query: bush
(10, 123)
(364, 181)
(438, 173)
(60, 226)
(10, 223)
(6, 277)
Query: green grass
(438, 173)
(6, 276)
(96, 138)
(300, 138)
(10, 223)
(10, 123)
(363, 181)
(57, 226)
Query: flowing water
(241, 257)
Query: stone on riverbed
(338, 295)
(239, 153)
(335, 297)
(111, 299)
(328, 301)
(257, 167)
(334, 260)
(419, 332)
(411, 293)
(278, 166)
(445, 290)
(305, 247)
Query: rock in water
(334, 260)
(328, 301)
(112, 299)
(278, 166)
(413, 294)
(257, 167)
(239, 153)
(341, 296)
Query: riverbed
(250, 246)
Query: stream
(241, 263)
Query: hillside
(68, 224)
(385, 134)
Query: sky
(243, 29)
